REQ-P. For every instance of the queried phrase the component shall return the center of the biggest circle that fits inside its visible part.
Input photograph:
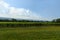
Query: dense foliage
(28, 23)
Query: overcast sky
(30, 9)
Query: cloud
(21, 13)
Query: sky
(30, 9)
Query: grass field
(30, 33)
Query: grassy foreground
(32, 33)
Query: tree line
(15, 20)
(29, 23)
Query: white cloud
(12, 12)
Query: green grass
(30, 33)
(20, 22)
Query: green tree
(56, 20)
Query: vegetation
(56, 20)
(29, 30)
(30, 33)
(28, 23)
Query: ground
(30, 33)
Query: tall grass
(30, 33)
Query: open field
(30, 33)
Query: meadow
(30, 33)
